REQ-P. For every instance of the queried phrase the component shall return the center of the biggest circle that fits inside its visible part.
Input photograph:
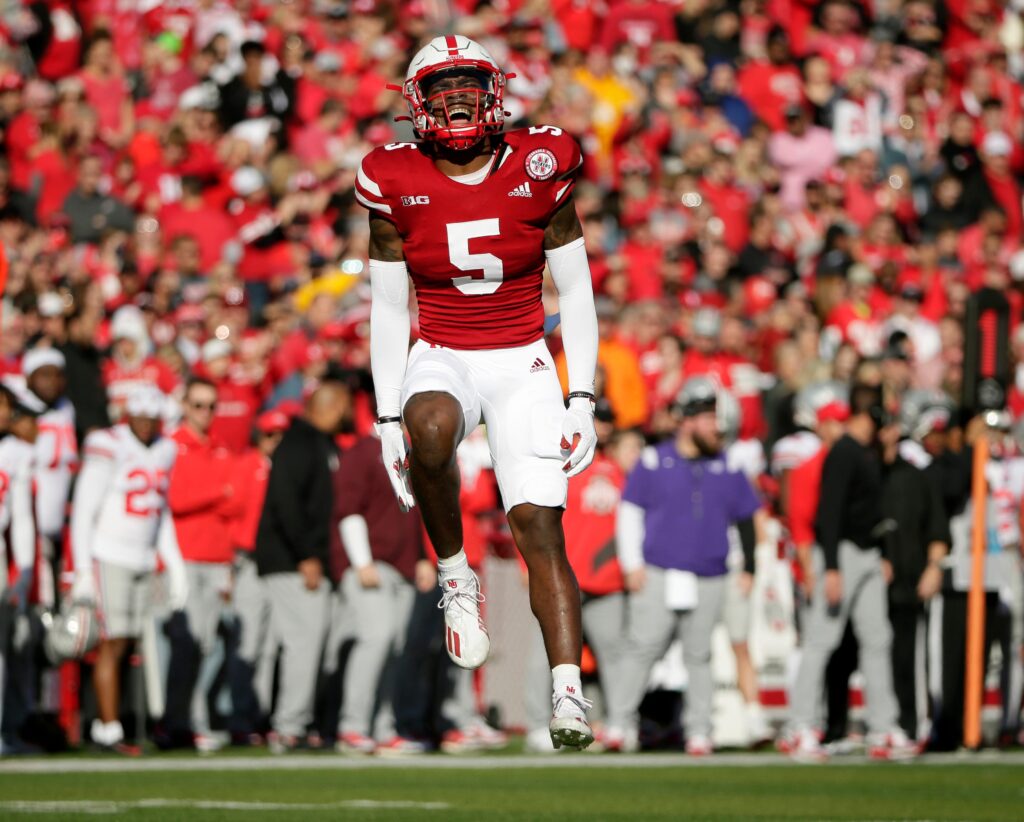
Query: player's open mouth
(460, 115)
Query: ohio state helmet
(454, 55)
(811, 400)
(71, 632)
(730, 416)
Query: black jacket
(296, 515)
(85, 387)
(850, 506)
(911, 500)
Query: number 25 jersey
(475, 252)
(121, 496)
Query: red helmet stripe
(453, 45)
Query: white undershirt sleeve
(629, 536)
(570, 270)
(23, 530)
(90, 489)
(355, 536)
(389, 333)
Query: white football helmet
(923, 411)
(810, 400)
(730, 416)
(461, 115)
(71, 632)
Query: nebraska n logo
(538, 365)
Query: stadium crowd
(793, 198)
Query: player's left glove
(396, 461)
(579, 439)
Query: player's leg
(435, 422)
(555, 602)
(120, 600)
(697, 626)
(439, 407)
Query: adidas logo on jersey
(538, 365)
(521, 190)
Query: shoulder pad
(548, 152)
(102, 444)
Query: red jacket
(589, 523)
(253, 471)
(204, 497)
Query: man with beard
(672, 533)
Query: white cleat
(569, 726)
(465, 635)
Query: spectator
(91, 213)
(249, 97)
(83, 369)
(291, 553)
(677, 585)
(204, 499)
(802, 153)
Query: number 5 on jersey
(459, 235)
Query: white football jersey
(17, 464)
(794, 450)
(121, 497)
(56, 454)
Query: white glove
(83, 589)
(396, 461)
(177, 589)
(578, 422)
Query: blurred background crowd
(776, 193)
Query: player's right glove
(396, 461)
(84, 587)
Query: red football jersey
(475, 252)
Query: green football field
(644, 787)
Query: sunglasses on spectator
(203, 406)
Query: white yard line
(88, 807)
(329, 762)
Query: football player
(56, 452)
(473, 214)
(119, 523)
(19, 410)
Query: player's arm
(174, 565)
(90, 490)
(389, 346)
(570, 270)
(23, 529)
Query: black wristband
(582, 394)
(382, 420)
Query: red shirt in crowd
(210, 227)
(121, 378)
(768, 89)
(238, 401)
(204, 497)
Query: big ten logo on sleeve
(421, 199)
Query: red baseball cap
(273, 421)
